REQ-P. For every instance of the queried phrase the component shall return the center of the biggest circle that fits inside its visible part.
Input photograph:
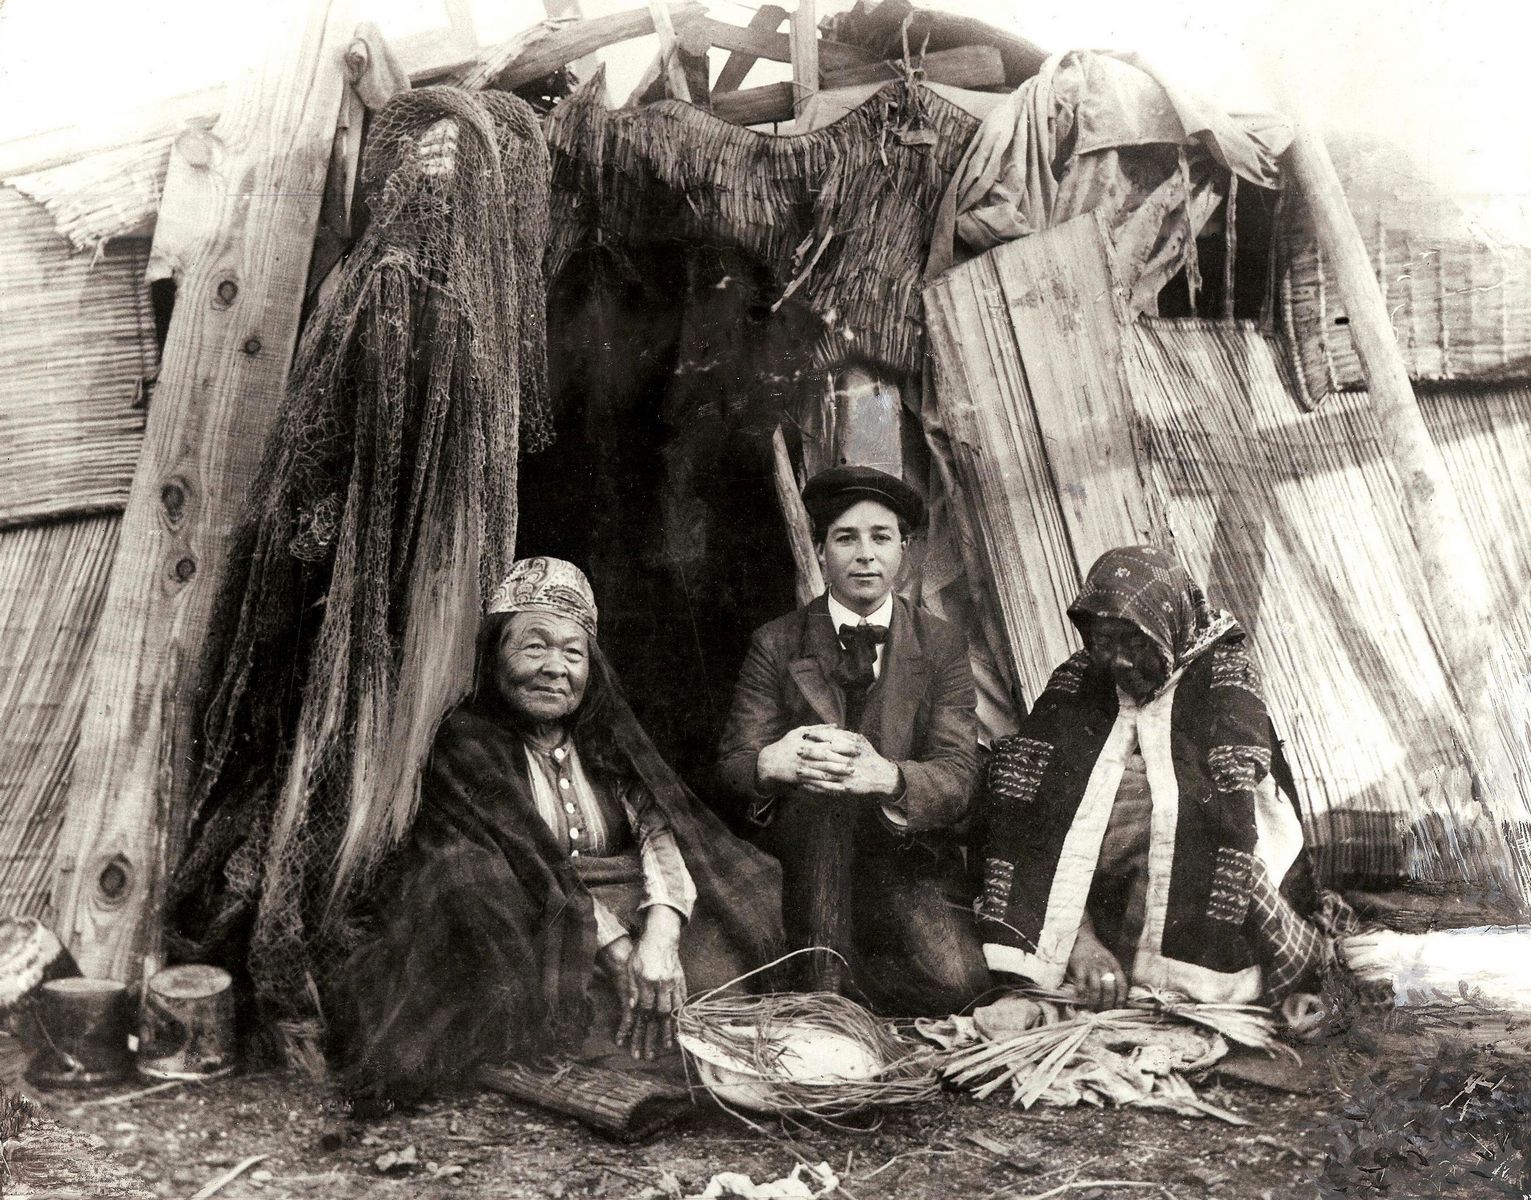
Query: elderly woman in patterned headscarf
(1132, 830)
(561, 889)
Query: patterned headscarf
(548, 585)
(1146, 586)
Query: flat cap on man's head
(831, 492)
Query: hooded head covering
(548, 585)
(1147, 587)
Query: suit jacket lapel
(888, 721)
(814, 668)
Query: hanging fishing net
(384, 510)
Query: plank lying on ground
(968, 67)
(626, 1105)
(548, 48)
(235, 232)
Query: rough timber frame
(235, 231)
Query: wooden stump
(83, 1025)
(618, 1103)
(186, 1028)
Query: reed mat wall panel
(76, 336)
(1460, 305)
(1073, 430)
(1294, 522)
(105, 195)
(1485, 438)
(52, 586)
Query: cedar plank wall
(76, 337)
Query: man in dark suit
(852, 748)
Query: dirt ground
(484, 1145)
(1362, 1122)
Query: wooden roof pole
(766, 19)
(669, 52)
(805, 55)
(809, 575)
(236, 229)
(1455, 581)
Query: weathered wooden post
(805, 55)
(810, 577)
(235, 233)
(669, 52)
(1455, 582)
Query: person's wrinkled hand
(652, 986)
(1095, 973)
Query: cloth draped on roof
(481, 938)
(1096, 131)
(1220, 838)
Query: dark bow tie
(859, 659)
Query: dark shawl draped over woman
(481, 941)
(1219, 841)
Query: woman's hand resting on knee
(1094, 971)
(650, 982)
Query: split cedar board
(1032, 386)
(236, 230)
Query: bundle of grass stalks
(1133, 1056)
(807, 1052)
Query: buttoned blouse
(590, 820)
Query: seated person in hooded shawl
(561, 890)
(1134, 835)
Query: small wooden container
(186, 1028)
(84, 1026)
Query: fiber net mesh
(383, 513)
